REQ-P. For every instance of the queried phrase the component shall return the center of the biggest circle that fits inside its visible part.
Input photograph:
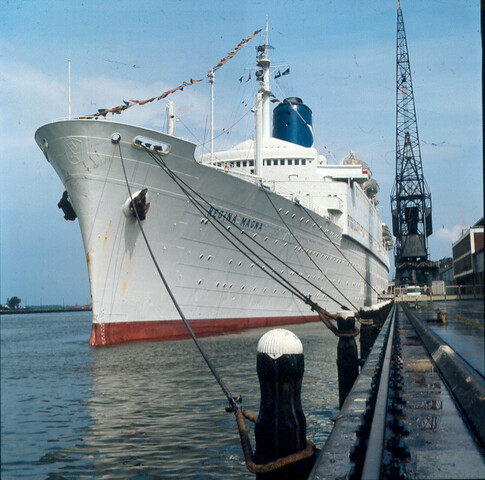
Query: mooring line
(224, 230)
(308, 255)
(205, 211)
(340, 251)
(233, 402)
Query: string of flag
(234, 51)
(102, 112)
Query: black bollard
(281, 426)
(368, 331)
(367, 338)
(347, 356)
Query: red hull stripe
(110, 333)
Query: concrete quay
(435, 429)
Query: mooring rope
(325, 316)
(225, 230)
(307, 452)
(307, 254)
(340, 251)
(233, 402)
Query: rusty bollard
(441, 317)
(281, 426)
(347, 355)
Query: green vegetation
(13, 303)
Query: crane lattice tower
(410, 196)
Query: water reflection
(158, 413)
(147, 410)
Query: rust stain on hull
(106, 235)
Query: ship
(248, 237)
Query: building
(468, 256)
(445, 272)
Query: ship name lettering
(250, 223)
(233, 218)
(219, 214)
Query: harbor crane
(410, 196)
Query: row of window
(269, 162)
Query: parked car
(413, 291)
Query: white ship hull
(217, 287)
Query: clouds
(449, 235)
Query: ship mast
(211, 81)
(262, 112)
(264, 62)
(170, 118)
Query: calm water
(137, 411)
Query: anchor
(65, 205)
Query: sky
(342, 62)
